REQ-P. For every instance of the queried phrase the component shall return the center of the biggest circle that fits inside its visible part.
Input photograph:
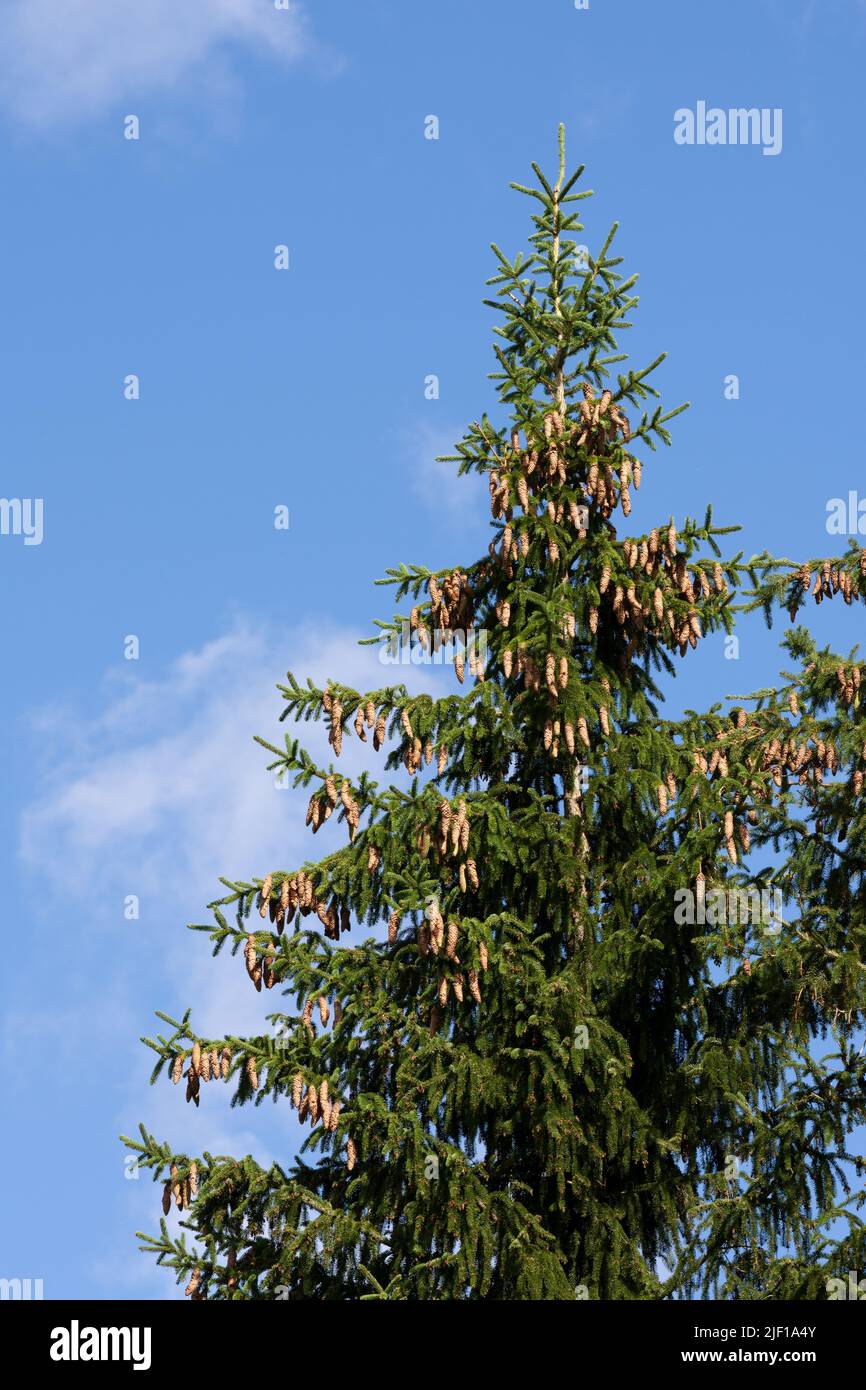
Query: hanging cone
(351, 1154)
(252, 1074)
(265, 896)
(324, 1011)
(225, 1063)
(313, 1103)
(177, 1068)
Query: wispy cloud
(69, 61)
(162, 788)
(463, 499)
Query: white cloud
(463, 499)
(163, 789)
(72, 59)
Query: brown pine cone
(265, 895)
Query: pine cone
(265, 896)
(313, 1103)
(177, 1068)
(252, 1073)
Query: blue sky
(305, 388)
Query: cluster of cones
(658, 558)
(180, 1190)
(829, 579)
(315, 1104)
(296, 893)
(849, 684)
(435, 939)
(204, 1065)
(324, 1009)
(451, 607)
(414, 750)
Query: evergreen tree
(578, 1065)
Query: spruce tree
(567, 1068)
